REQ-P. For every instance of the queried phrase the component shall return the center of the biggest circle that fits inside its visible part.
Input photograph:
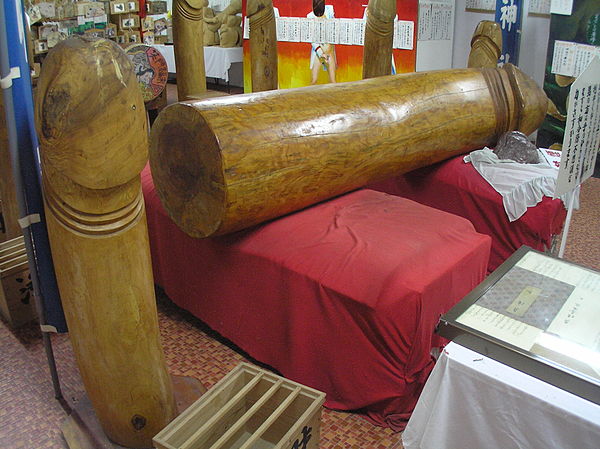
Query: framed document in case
(538, 314)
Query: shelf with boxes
(127, 22)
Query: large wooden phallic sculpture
(188, 43)
(486, 45)
(225, 164)
(263, 45)
(379, 37)
(93, 138)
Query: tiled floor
(30, 417)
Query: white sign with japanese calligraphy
(539, 6)
(571, 58)
(563, 7)
(436, 21)
(582, 131)
(480, 5)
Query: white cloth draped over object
(521, 185)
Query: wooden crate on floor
(16, 295)
(250, 408)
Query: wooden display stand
(248, 408)
(16, 299)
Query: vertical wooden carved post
(91, 122)
(188, 41)
(379, 37)
(8, 194)
(486, 45)
(263, 45)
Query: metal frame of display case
(535, 365)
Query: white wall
(534, 39)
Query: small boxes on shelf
(156, 7)
(129, 21)
(249, 408)
(119, 7)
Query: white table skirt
(217, 60)
(473, 402)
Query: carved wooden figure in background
(379, 37)
(92, 130)
(211, 27)
(188, 41)
(263, 45)
(225, 164)
(231, 32)
(486, 45)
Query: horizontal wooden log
(221, 165)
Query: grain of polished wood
(379, 37)
(188, 43)
(93, 140)
(225, 164)
(263, 45)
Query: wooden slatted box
(16, 296)
(250, 408)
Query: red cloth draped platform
(456, 187)
(343, 296)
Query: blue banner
(23, 146)
(508, 15)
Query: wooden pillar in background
(188, 42)
(379, 38)
(263, 45)
(221, 166)
(486, 45)
(8, 193)
(93, 138)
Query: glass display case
(538, 314)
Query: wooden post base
(82, 430)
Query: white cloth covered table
(521, 185)
(473, 402)
(217, 60)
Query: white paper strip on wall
(539, 6)
(443, 19)
(436, 21)
(404, 34)
(481, 5)
(332, 31)
(279, 27)
(294, 29)
(346, 29)
(424, 32)
(563, 58)
(571, 58)
(582, 131)
(358, 31)
(305, 34)
(563, 7)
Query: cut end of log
(187, 169)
